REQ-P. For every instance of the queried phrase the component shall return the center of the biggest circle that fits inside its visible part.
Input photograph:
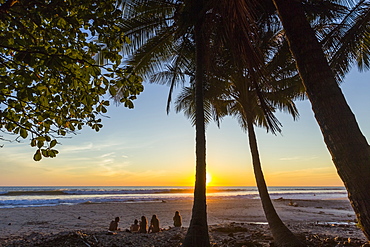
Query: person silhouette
(135, 227)
(143, 225)
(177, 222)
(113, 226)
(154, 224)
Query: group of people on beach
(142, 226)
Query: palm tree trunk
(347, 145)
(281, 234)
(197, 234)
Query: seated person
(114, 225)
(177, 219)
(135, 227)
(143, 225)
(154, 224)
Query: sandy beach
(231, 222)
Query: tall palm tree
(347, 145)
(257, 91)
(252, 106)
(161, 32)
(197, 234)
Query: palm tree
(256, 92)
(161, 32)
(347, 145)
(252, 106)
(197, 234)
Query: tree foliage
(50, 84)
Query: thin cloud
(291, 158)
(107, 155)
(70, 148)
(299, 158)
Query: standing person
(135, 227)
(113, 226)
(154, 224)
(143, 225)
(177, 222)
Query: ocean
(12, 197)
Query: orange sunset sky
(145, 146)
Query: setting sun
(208, 178)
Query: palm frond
(150, 56)
(348, 42)
(186, 102)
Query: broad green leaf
(37, 156)
(40, 144)
(53, 143)
(23, 133)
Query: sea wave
(17, 191)
(37, 192)
(52, 196)
(112, 191)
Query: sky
(146, 147)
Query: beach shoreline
(334, 218)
